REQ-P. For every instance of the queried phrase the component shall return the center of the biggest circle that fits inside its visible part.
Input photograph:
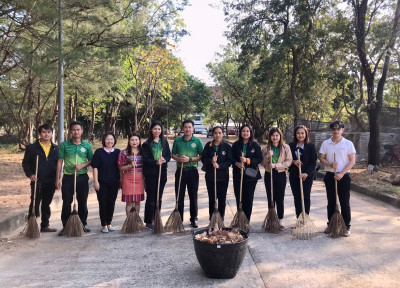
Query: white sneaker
(347, 234)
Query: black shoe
(149, 226)
(61, 233)
(86, 229)
(194, 223)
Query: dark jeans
(279, 185)
(222, 187)
(295, 185)
(44, 194)
(106, 196)
(249, 185)
(343, 193)
(151, 193)
(67, 191)
(190, 178)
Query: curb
(386, 198)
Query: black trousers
(343, 193)
(222, 187)
(106, 196)
(67, 191)
(249, 185)
(295, 185)
(44, 194)
(151, 193)
(279, 185)
(190, 178)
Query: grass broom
(133, 223)
(74, 226)
(240, 220)
(32, 228)
(216, 221)
(304, 228)
(158, 225)
(337, 227)
(174, 223)
(271, 221)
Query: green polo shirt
(156, 148)
(67, 152)
(191, 148)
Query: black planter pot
(220, 261)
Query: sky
(206, 26)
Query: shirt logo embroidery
(193, 145)
(83, 150)
(252, 150)
(223, 152)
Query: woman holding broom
(130, 163)
(281, 160)
(307, 161)
(217, 157)
(246, 153)
(106, 179)
(155, 145)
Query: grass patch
(393, 190)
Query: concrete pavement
(368, 258)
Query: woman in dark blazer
(217, 154)
(151, 148)
(252, 157)
(307, 161)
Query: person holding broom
(217, 155)
(307, 161)
(246, 153)
(48, 156)
(281, 160)
(69, 151)
(130, 163)
(155, 145)
(186, 151)
(345, 153)
(106, 179)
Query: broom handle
(272, 185)
(241, 184)
(34, 189)
(134, 175)
(215, 181)
(158, 186)
(301, 187)
(179, 186)
(76, 163)
(336, 190)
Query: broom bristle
(158, 225)
(271, 222)
(240, 221)
(337, 227)
(216, 221)
(174, 223)
(133, 223)
(304, 228)
(32, 228)
(74, 227)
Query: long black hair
(129, 148)
(272, 131)
(251, 133)
(150, 137)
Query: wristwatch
(190, 159)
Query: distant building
(198, 124)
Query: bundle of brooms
(216, 221)
(32, 228)
(174, 223)
(133, 223)
(337, 227)
(240, 220)
(304, 228)
(74, 227)
(271, 221)
(158, 225)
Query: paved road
(369, 258)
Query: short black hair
(46, 127)
(338, 123)
(187, 121)
(103, 140)
(75, 123)
(218, 127)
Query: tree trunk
(293, 87)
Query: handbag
(250, 172)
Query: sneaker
(61, 233)
(149, 226)
(111, 229)
(86, 229)
(282, 228)
(104, 230)
(347, 234)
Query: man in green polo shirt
(186, 151)
(67, 154)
